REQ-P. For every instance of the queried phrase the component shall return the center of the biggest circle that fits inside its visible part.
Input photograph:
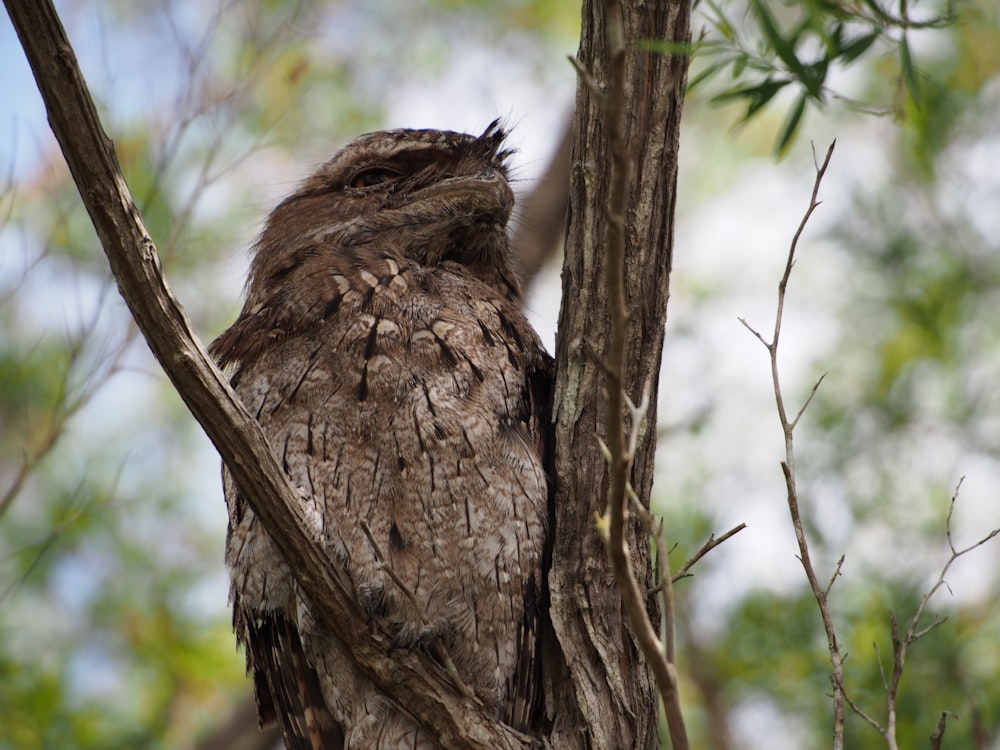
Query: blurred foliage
(113, 629)
(546, 16)
(765, 48)
(909, 403)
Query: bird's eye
(371, 177)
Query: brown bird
(383, 350)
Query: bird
(383, 349)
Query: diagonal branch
(411, 679)
(708, 546)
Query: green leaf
(739, 64)
(784, 48)
(720, 22)
(815, 76)
(834, 38)
(704, 75)
(879, 12)
(757, 92)
(668, 47)
(909, 72)
(858, 46)
(757, 95)
(791, 126)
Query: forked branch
(820, 592)
(901, 641)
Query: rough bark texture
(411, 679)
(599, 691)
(607, 695)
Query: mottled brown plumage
(383, 351)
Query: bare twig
(835, 575)
(592, 85)
(881, 667)
(864, 716)
(68, 404)
(938, 736)
(788, 465)
(902, 641)
(708, 546)
(809, 398)
(655, 529)
(621, 451)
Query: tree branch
(708, 546)
(411, 679)
(788, 468)
(621, 454)
(541, 221)
(902, 641)
(609, 693)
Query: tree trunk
(599, 690)
(599, 686)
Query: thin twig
(637, 415)
(808, 401)
(593, 86)
(655, 529)
(864, 716)
(707, 547)
(938, 735)
(881, 667)
(621, 448)
(902, 641)
(68, 404)
(788, 465)
(835, 576)
(924, 631)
